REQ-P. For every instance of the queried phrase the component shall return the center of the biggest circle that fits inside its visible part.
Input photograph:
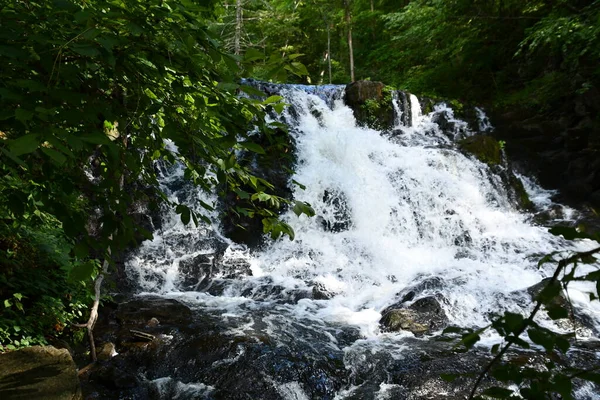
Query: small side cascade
(398, 111)
(415, 111)
(483, 121)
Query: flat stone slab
(39, 372)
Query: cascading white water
(392, 212)
(415, 211)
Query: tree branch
(561, 265)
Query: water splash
(398, 213)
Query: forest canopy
(529, 53)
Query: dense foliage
(532, 53)
(92, 95)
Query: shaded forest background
(531, 53)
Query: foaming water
(415, 212)
(394, 212)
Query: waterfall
(398, 218)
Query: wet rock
(485, 148)
(320, 292)
(139, 311)
(553, 213)
(371, 103)
(423, 316)
(113, 377)
(337, 216)
(463, 239)
(39, 372)
(430, 284)
(106, 351)
(453, 128)
(193, 272)
(357, 93)
(534, 291)
(234, 268)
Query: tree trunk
(238, 28)
(329, 50)
(350, 48)
(372, 6)
(91, 323)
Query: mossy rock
(371, 103)
(522, 198)
(424, 316)
(485, 148)
(403, 319)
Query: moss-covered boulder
(421, 317)
(485, 148)
(519, 193)
(371, 103)
(39, 372)
(489, 150)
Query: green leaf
(252, 91)
(96, 138)
(557, 312)
(564, 386)
(87, 50)
(498, 392)
(299, 69)
(518, 341)
(452, 329)
(549, 292)
(252, 147)
(470, 339)
(562, 344)
(24, 145)
(57, 157)
(541, 337)
(81, 250)
(228, 86)
(301, 186)
(495, 348)
(513, 321)
(206, 206)
(272, 99)
(253, 55)
(242, 194)
(301, 207)
(591, 376)
(184, 211)
(568, 233)
(279, 107)
(82, 272)
(13, 157)
(23, 115)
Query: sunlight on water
(393, 212)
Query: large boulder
(489, 151)
(141, 311)
(371, 103)
(424, 316)
(39, 372)
(485, 148)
